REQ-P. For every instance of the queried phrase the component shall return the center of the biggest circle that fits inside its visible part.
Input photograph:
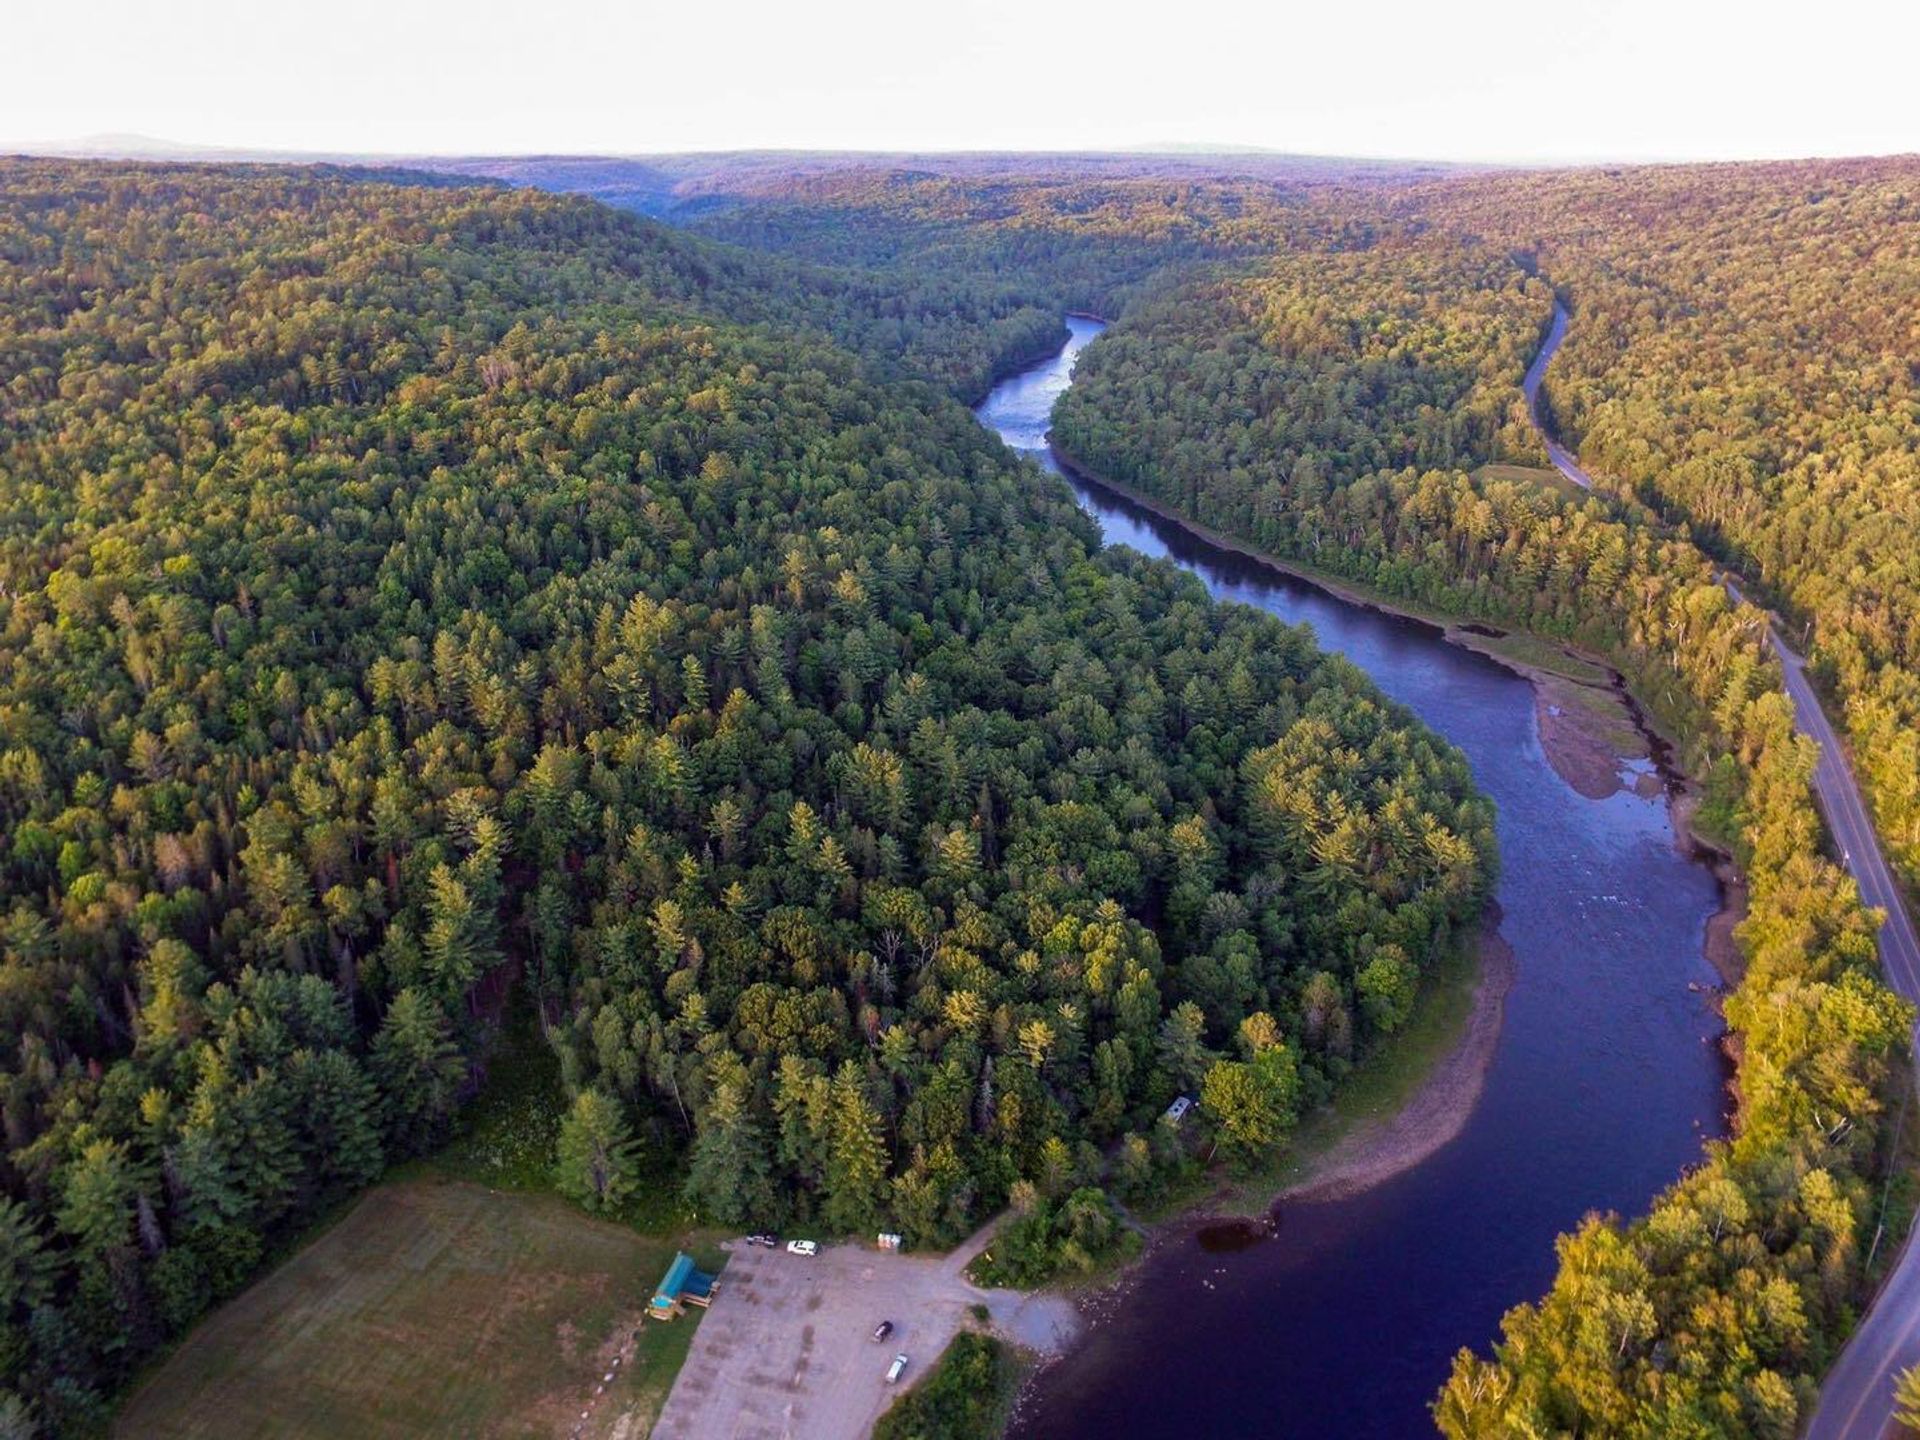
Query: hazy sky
(1490, 79)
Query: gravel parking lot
(787, 1350)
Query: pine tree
(1183, 1045)
(452, 940)
(27, 1270)
(335, 1110)
(730, 1173)
(419, 1070)
(97, 1197)
(802, 1102)
(856, 1175)
(599, 1160)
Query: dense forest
(1325, 407)
(1742, 360)
(1296, 407)
(420, 601)
(417, 602)
(1331, 385)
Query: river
(1605, 1081)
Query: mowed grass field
(435, 1307)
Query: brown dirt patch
(1722, 951)
(1587, 735)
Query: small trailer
(681, 1286)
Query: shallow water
(1342, 1320)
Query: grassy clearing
(1547, 657)
(1599, 714)
(434, 1307)
(460, 1298)
(507, 1135)
(1545, 476)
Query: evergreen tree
(336, 1112)
(598, 1159)
(856, 1166)
(419, 1070)
(730, 1172)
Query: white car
(803, 1247)
(899, 1364)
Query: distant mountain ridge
(672, 182)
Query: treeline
(408, 595)
(1738, 361)
(1741, 358)
(1061, 240)
(1322, 408)
(1296, 407)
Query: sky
(1515, 80)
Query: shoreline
(1007, 366)
(1366, 1151)
(1599, 741)
(1589, 754)
(1584, 752)
(1362, 1153)
(1382, 1145)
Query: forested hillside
(1314, 406)
(416, 601)
(1742, 358)
(1058, 238)
(1738, 362)
(411, 598)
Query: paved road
(1562, 457)
(1856, 1403)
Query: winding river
(1605, 1080)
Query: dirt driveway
(786, 1352)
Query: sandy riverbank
(1722, 951)
(1382, 1146)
